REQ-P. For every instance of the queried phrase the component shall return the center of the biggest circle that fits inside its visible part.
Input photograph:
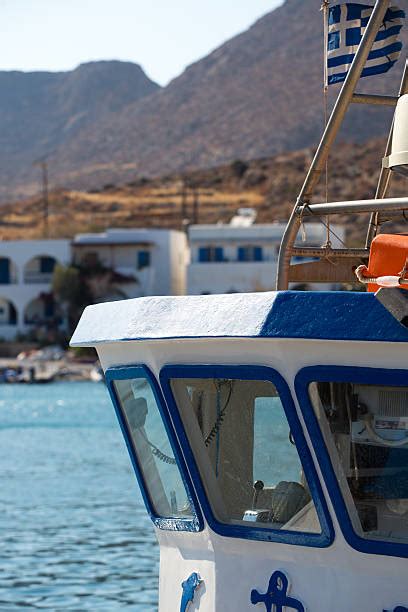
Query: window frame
(249, 532)
(352, 374)
(132, 372)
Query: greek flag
(347, 23)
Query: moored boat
(269, 431)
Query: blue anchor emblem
(276, 595)
(189, 588)
(399, 609)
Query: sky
(163, 36)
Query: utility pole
(196, 195)
(183, 203)
(43, 164)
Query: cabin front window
(365, 427)
(245, 453)
(150, 442)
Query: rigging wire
(329, 228)
(325, 10)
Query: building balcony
(37, 278)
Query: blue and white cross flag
(346, 26)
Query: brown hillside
(270, 185)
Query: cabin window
(365, 427)
(245, 453)
(150, 442)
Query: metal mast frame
(336, 265)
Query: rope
(384, 281)
(326, 225)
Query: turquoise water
(74, 532)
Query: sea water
(74, 533)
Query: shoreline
(42, 371)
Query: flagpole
(336, 118)
(325, 9)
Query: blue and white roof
(286, 314)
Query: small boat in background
(96, 374)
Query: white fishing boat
(269, 432)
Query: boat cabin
(269, 437)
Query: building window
(143, 259)
(250, 253)
(208, 254)
(4, 271)
(47, 265)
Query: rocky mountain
(257, 95)
(41, 113)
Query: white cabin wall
(232, 567)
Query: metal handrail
(332, 253)
(327, 140)
(354, 206)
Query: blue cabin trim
(171, 524)
(381, 376)
(337, 315)
(251, 372)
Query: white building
(146, 261)
(26, 268)
(241, 257)
(143, 261)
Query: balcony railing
(37, 277)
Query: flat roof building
(230, 258)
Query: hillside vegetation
(270, 185)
